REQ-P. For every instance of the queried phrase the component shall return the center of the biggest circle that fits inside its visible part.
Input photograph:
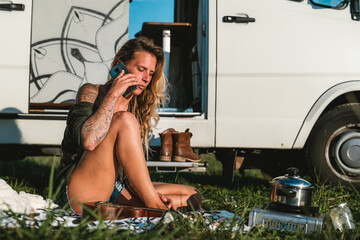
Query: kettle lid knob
(293, 172)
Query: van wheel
(333, 147)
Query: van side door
(15, 25)
(274, 59)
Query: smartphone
(115, 71)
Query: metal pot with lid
(291, 189)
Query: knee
(192, 191)
(123, 116)
(124, 119)
(194, 200)
(197, 195)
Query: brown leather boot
(166, 150)
(183, 151)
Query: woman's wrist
(112, 97)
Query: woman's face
(143, 66)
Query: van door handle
(238, 19)
(12, 6)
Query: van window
(156, 11)
(174, 27)
(77, 44)
(337, 4)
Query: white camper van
(245, 74)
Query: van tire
(334, 133)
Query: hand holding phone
(114, 73)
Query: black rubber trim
(32, 116)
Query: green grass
(249, 189)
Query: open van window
(182, 39)
(81, 49)
(336, 4)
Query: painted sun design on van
(83, 53)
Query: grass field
(249, 189)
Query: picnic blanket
(33, 210)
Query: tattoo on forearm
(97, 126)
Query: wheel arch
(342, 93)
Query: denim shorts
(119, 186)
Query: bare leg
(94, 177)
(183, 197)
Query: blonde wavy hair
(144, 106)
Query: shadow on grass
(213, 176)
(35, 172)
(213, 180)
(30, 173)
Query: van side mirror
(340, 4)
(337, 4)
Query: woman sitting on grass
(106, 135)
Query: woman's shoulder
(87, 93)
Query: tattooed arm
(96, 127)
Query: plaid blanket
(60, 217)
(19, 209)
